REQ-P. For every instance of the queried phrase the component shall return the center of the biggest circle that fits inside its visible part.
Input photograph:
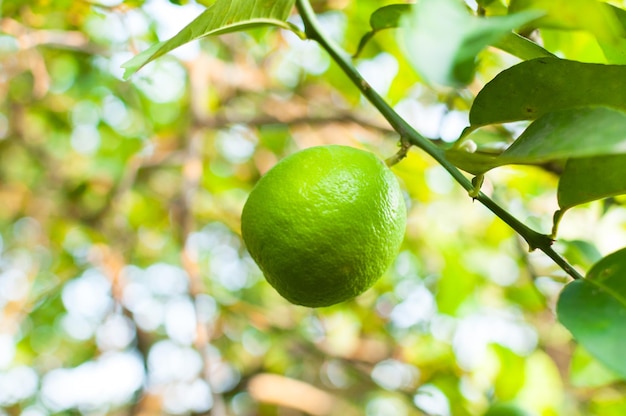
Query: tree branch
(28, 38)
(534, 239)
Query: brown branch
(183, 219)
(28, 38)
(295, 394)
(221, 121)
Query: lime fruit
(324, 224)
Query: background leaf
(586, 371)
(574, 133)
(590, 15)
(389, 17)
(605, 22)
(615, 50)
(580, 252)
(589, 179)
(386, 17)
(594, 310)
(222, 17)
(443, 39)
(532, 88)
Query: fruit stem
(534, 239)
(405, 145)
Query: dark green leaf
(573, 133)
(530, 89)
(589, 179)
(579, 132)
(594, 310)
(223, 16)
(443, 39)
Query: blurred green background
(125, 288)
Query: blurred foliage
(125, 287)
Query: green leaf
(561, 135)
(620, 15)
(506, 409)
(443, 39)
(390, 17)
(615, 52)
(533, 88)
(578, 132)
(221, 17)
(594, 311)
(474, 163)
(587, 372)
(590, 15)
(521, 47)
(387, 17)
(580, 252)
(615, 49)
(589, 179)
(510, 380)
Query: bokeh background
(125, 288)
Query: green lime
(324, 224)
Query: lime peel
(324, 224)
